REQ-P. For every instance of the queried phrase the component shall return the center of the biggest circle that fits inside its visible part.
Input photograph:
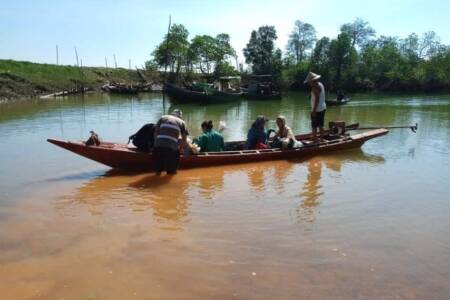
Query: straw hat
(311, 77)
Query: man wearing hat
(318, 105)
(166, 151)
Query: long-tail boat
(122, 156)
(335, 102)
(203, 95)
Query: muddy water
(358, 224)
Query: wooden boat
(262, 87)
(119, 88)
(182, 94)
(335, 102)
(121, 156)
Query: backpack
(143, 139)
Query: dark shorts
(318, 119)
(165, 159)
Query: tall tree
(321, 56)
(260, 52)
(359, 32)
(173, 49)
(342, 56)
(301, 40)
(204, 52)
(207, 52)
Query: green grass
(47, 77)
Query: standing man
(318, 105)
(166, 151)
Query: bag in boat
(143, 139)
(93, 140)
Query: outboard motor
(337, 127)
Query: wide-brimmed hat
(177, 112)
(311, 77)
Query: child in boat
(210, 140)
(257, 135)
(284, 136)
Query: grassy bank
(25, 79)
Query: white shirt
(321, 105)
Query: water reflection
(172, 200)
(313, 190)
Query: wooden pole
(106, 62)
(165, 66)
(129, 64)
(57, 55)
(115, 61)
(76, 56)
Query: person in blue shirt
(257, 135)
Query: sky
(130, 30)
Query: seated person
(210, 140)
(257, 135)
(284, 138)
(340, 96)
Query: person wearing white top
(318, 105)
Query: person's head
(207, 126)
(260, 122)
(312, 78)
(281, 121)
(177, 113)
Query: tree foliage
(301, 40)
(355, 60)
(172, 51)
(260, 52)
(358, 31)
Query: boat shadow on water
(170, 198)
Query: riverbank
(20, 79)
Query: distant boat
(204, 92)
(119, 88)
(335, 102)
(262, 87)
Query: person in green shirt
(210, 140)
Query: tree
(342, 56)
(207, 52)
(260, 52)
(301, 40)
(320, 58)
(359, 32)
(173, 49)
(203, 51)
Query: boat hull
(335, 102)
(184, 95)
(119, 156)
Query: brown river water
(369, 223)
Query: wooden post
(106, 62)
(115, 61)
(76, 56)
(165, 65)
(57, 55)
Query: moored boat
(205, 95)
(335, 102)
(121, 156)
(262, 87)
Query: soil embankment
(25, 79)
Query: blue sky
(29, 30)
